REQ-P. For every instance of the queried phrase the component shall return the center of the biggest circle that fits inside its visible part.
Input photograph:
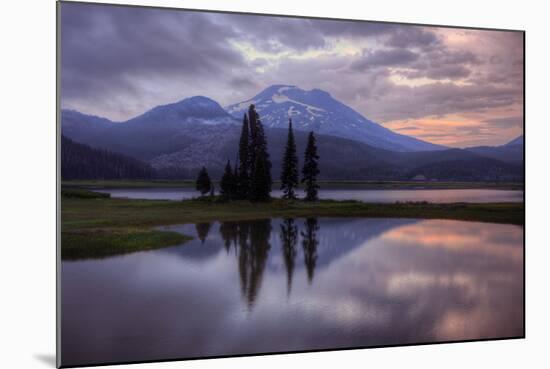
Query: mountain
(511, 152)
(191, 111)
(79, 161)
(316, 110)
(161, 130)
(470, 170)
(518, 141)
(344, 159)
(361, 160)
(177, 139)
(83, 127)
(508, 154)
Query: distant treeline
(79, 161)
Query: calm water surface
(295, 284)
(387, 196)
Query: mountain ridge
(180, 137)
(518, 141)
(316, 110)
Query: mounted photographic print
(242, 184)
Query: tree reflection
(253, 240)
(243, 234)
(309, 245)
(229, 232)
(202, 230)
(289, 238)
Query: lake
(295, 284)
(381, 196)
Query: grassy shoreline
(100, 227)
(381, 185)
(102, 243)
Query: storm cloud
(384, 58)
(118, 62)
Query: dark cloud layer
(119, 61)
(384, 58)
(413, 37)
(105, 48)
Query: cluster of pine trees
(250, 178)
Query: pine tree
(203, 183)
(260, 187)
(263, 153)
(228, 183)
(252, 142)
(289, 173)
(261, 180)
(243, 180)
(236, 180)
(310, 169)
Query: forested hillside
(79, 161)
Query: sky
(448, 86)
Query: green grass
(100, 243)
(324, 184)
(83, 213)
(100, 227)
(79, 193)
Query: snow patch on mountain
(242, 107)
(279, 99)
(316, 110)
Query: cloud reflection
(376, 282)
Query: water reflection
(254, 247)
(309, 245)
(229, 231)
(251, 243)
(289, 239)
(296, 284)
(202, 230)
(366, 195)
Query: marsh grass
(101, 243)
(80, 193)
(85, 213)
(100, 227)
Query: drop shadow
(48, 359)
